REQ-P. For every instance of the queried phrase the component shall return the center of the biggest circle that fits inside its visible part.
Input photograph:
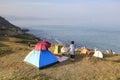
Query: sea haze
(102, 38)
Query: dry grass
(12, 67)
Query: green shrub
(23, 41)
(26, 41)
(25, 36)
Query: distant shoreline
(40, 34)
(25, 29)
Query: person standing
(72, 51)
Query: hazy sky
(65, 12)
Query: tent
(84, 51)
(57, 49)
(41, 56)
(64, 49)
(42, 45)
(98, 54)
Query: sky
(62, 12)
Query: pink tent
(42, 45)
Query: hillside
(7, 30)
(14, 48)
(12, 66)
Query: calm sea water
(102, 38)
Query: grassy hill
(14, 48)
(7, 29)
(12, 66)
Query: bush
(25, 36)
(26, 41)
(5, 50)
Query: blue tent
(41, 58)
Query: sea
(103, 38)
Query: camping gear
(57, 49)
(42, 45)
(98, 54)
(41, 56)
(62, 58)
(64, 49)
(84, 50)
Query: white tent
(64, 49)
(98, 54)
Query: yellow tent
(57, 49)
(83, 51)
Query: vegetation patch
(2, 45)
(4, 38)
(26, 41)
(5, 51)
(26, 36)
